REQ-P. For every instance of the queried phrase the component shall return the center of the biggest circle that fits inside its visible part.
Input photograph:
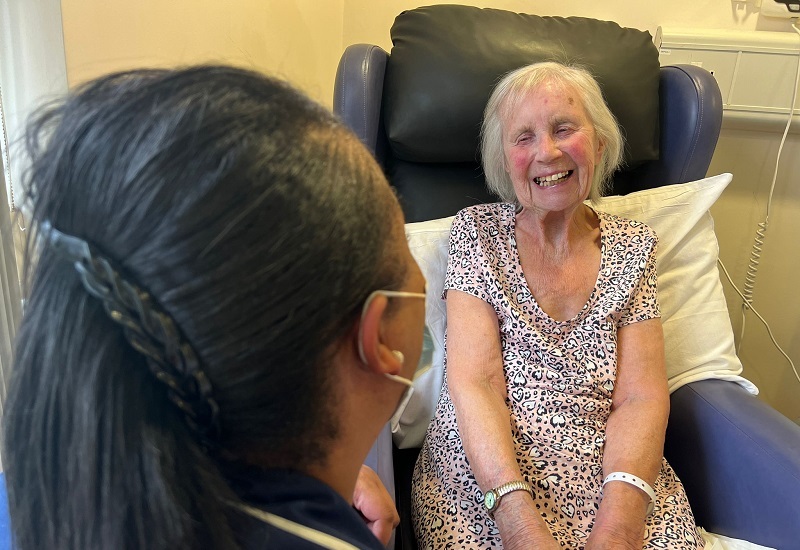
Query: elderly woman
(222, 315)
(550, 426)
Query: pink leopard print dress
(560, 377)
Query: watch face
(490, 500)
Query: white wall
(367, 21)
(302, 39)
(750, 156)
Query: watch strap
(504, 489)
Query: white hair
(516, 85)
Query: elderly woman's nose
(546, 148)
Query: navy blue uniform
(318, 517)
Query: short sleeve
(643, 304)
(466, 258)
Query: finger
(382, 529)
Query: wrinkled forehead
(524, 91)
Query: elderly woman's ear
(601, 147)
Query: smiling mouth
(553, 179)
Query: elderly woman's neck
(559, 231)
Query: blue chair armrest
(358, 95)
(739, 460)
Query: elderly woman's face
(551, 149)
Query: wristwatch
(491, 500)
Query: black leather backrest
(447, 59)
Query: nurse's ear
(374, 354)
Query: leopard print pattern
(560, 378)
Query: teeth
(549, 181)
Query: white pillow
(429, 244)
(698, 338)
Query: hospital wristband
(636, 481)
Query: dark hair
(254, 220)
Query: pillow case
(429, 243)
(698, 337)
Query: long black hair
(255, 222)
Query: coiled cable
(761, 231)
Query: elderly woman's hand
(521, 524)
(605, 540)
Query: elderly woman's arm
(478, 389)
(634, 435)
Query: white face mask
(394, 421)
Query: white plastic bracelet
(636, 481)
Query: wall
(300, 40)
(366, 21)
(303, 40)
(750, 157)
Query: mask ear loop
(388, 293)
(394, 421)
(367, 302)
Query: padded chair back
(419, 110)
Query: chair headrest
(446, 60)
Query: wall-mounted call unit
(788, 9)
(755, 70)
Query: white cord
(755, 254)
(6, 162)
(758, 242)
(5, 146)
(753, 309)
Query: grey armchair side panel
(358, 94)
(739, 460)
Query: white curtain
(32, 70)
(10, 302)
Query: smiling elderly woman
(550, 427)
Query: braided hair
(202, 239)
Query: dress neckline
(526, 291)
